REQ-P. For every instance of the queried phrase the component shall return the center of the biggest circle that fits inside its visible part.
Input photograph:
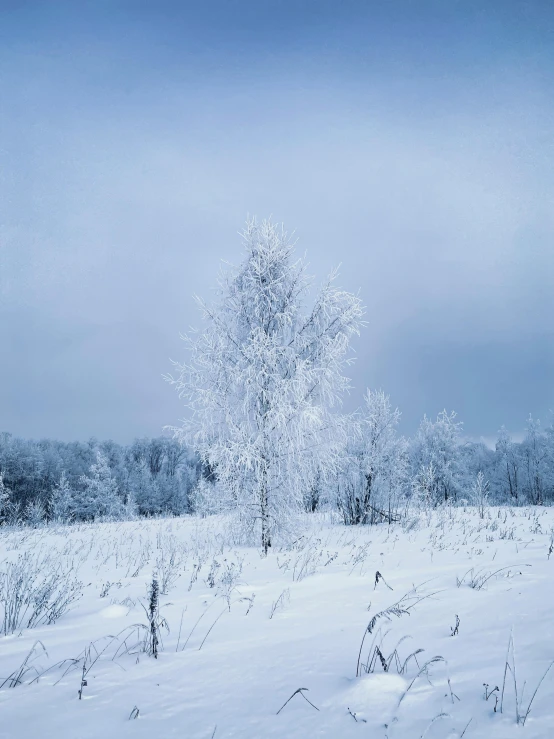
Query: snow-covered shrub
(34, 591)
(169, 562)
(35, 513)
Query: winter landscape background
(245, 491)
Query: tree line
(54, 480)
(380, 473)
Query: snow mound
(113, 611)
(373, 694)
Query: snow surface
(320, 593)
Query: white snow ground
(234, 678)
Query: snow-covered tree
(480, 493)
(374, 468)
(509, 462)
(4, 497)
(61, 500)
(145, 489)
(536, 456)
(130, 507)
(265, 379)
(99, 497)
(313, 493)
(205, 498)
(533, 454)
(435, 457)
(474, 457)
(424, 485)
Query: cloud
(129, 179)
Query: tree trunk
(264, 510)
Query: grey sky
(411, 142)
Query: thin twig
(528, 711)
(180, 627)
(301, 691)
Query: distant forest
(82, 481)
(52, 480)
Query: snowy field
(245, 631)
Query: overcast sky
(412, 142)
